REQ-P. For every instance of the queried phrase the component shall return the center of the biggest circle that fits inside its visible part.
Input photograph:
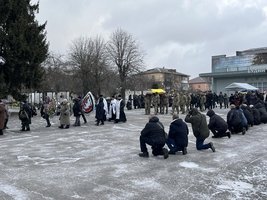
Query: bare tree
(81, 58)
(88, 57)
(123, 51)
(57, 76)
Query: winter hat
(210, 113)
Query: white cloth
(118, 105)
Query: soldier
(188, 102)
(165, 102)
(202, 102)
(155, 102)
(147, 103)
(175, 103)
(182, 103)
(161, 106)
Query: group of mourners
(111, 109)
(245, 111)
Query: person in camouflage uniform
(155, 102)
(202, 102)
(147, 103)
(182, 102)
(188, 102)
(175, 103)
(161, 106)
(165, 103)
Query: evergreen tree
(23, 45)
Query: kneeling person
(217, 125)
(154, 135)
(178, 136)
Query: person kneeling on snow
(178, 136)
(200, 129)
(154, 135)
(217, 125)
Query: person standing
(120, 114)
(112, 109)
(45, 111)
(100, 112)
(155, 102)
(178, 136)
(154, 135)
(217, 125)
(175, 103)
(200, 129)
(64, 114)
(147, 103)
(77, 111)
(2, 116)
(25, 115)
(82, 111)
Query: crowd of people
(245, 111)
(111, 109)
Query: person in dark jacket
(25, 115)
(154, 135)
(200, 129)
(263, 113)
(178, 136)
(217, 125)
(77, 111)
(256, 115)
(248, 114)
(45, 111)
(100, 112)
(236, 120)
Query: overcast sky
(176, 34)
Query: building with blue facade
(249, 66)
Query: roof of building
(197, 80)
(164, 70)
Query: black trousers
(157, 148)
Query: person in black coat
(154, 135)
(236, 120)
(217, 125)
(263, 113)
(256, 115)
(248, 114)
(25, 115)
(100, 112)
(178, 136)
(77, 111)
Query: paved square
(101, 162)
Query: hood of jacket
(194, 111)
(210, 113)
(154, 119)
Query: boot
(144, 154)
(243, 131)
(184, 151)
(165, 153)
(67, 126)
(61, 126)
(1, 132)
(212, 147)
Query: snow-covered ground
(101, 162)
